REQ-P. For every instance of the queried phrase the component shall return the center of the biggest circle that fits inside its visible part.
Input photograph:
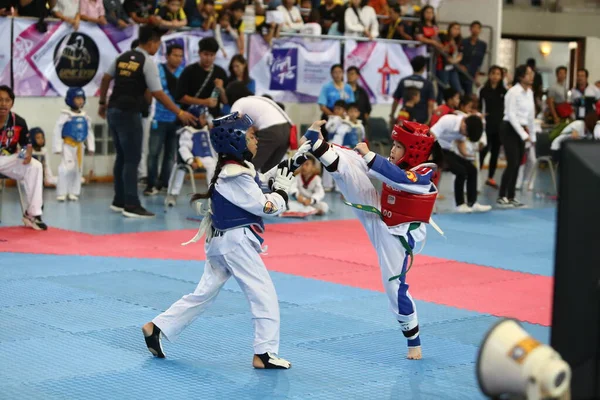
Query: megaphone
(511, 362)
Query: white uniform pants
(526, 169)
(243, 262)
(352, 180)
(30, 176)
(320, 207)
(146, 125)
(178, 175)
(69, 172)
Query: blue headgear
(72, 93)
(197, 110)
(228, 136)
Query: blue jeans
(126, 130)
(449, 77)
(163, 137)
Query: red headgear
(417, 142)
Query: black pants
(126, 130)
(273, 143)
(514, 149)
(464, 170)
(493, 146)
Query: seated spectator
(455, 131)
(308, 13)
(92, 11)
(16, 160)
(408, 10)
(224, 27)
(427, 31)
(291, 16)
(330, 13)
(360, 20)
(584, 95)
(395, 29)
(412, 97)
(237, 10)
(307, 193)
(238, 72)
(115, 14)
(140, 11)
(171, 15)
(356, 132)
(68, 11)
(333, 91)
(193, 11)
(208, 15)
(38, 141)
(451, 103)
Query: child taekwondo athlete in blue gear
(73, 132)
(232, 225)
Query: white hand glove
(302, 150)
(284, 177)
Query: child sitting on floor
(306, 192)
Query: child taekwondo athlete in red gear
(395, 219)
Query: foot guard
(271, 361)
(154, 344)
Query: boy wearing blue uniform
(72, 133)
(232, 224)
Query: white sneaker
(476, 207)
(503, 202)
(61, 198)
(463, 209)
(72, 197)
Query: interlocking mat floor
(73, 299)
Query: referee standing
(134, 71)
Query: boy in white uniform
(236, 207)
(73, 132)
(307, 192)
(194, 150)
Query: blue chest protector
(76, 128)
(226, 215)
(201, 147)
(351, 138)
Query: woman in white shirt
(517, 130)
(361, 20)
(292, 19)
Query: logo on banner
(284, 67)
(386, 72)
(76, 59)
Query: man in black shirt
(133, 72)
(16, 159)
(424, 109)
(202, 82)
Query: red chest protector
(400, 207)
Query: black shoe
(516, 203)
(271, 361)
(137, 212)
(153, 342)
(35, 222)
(117, 207)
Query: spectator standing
(139, 11)
(584, 95)
(16, 160)
(447, 66)
(163, 134)
(427, 31)
(202, 83)
(330, 13)
(558, 96)
(272, 125)
(171, 15)
(361, 97)
(224, 27)
(134, 72)
(538, 85)
(394, 28)
(424, 109)
(68, 11)
(516, 130)
(491, 104)
(334, 91)
(360, 20)
(292, 19)
(115, 14)
(92, 11)
(473, 50)
(238, 72)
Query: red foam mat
(332, 251)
